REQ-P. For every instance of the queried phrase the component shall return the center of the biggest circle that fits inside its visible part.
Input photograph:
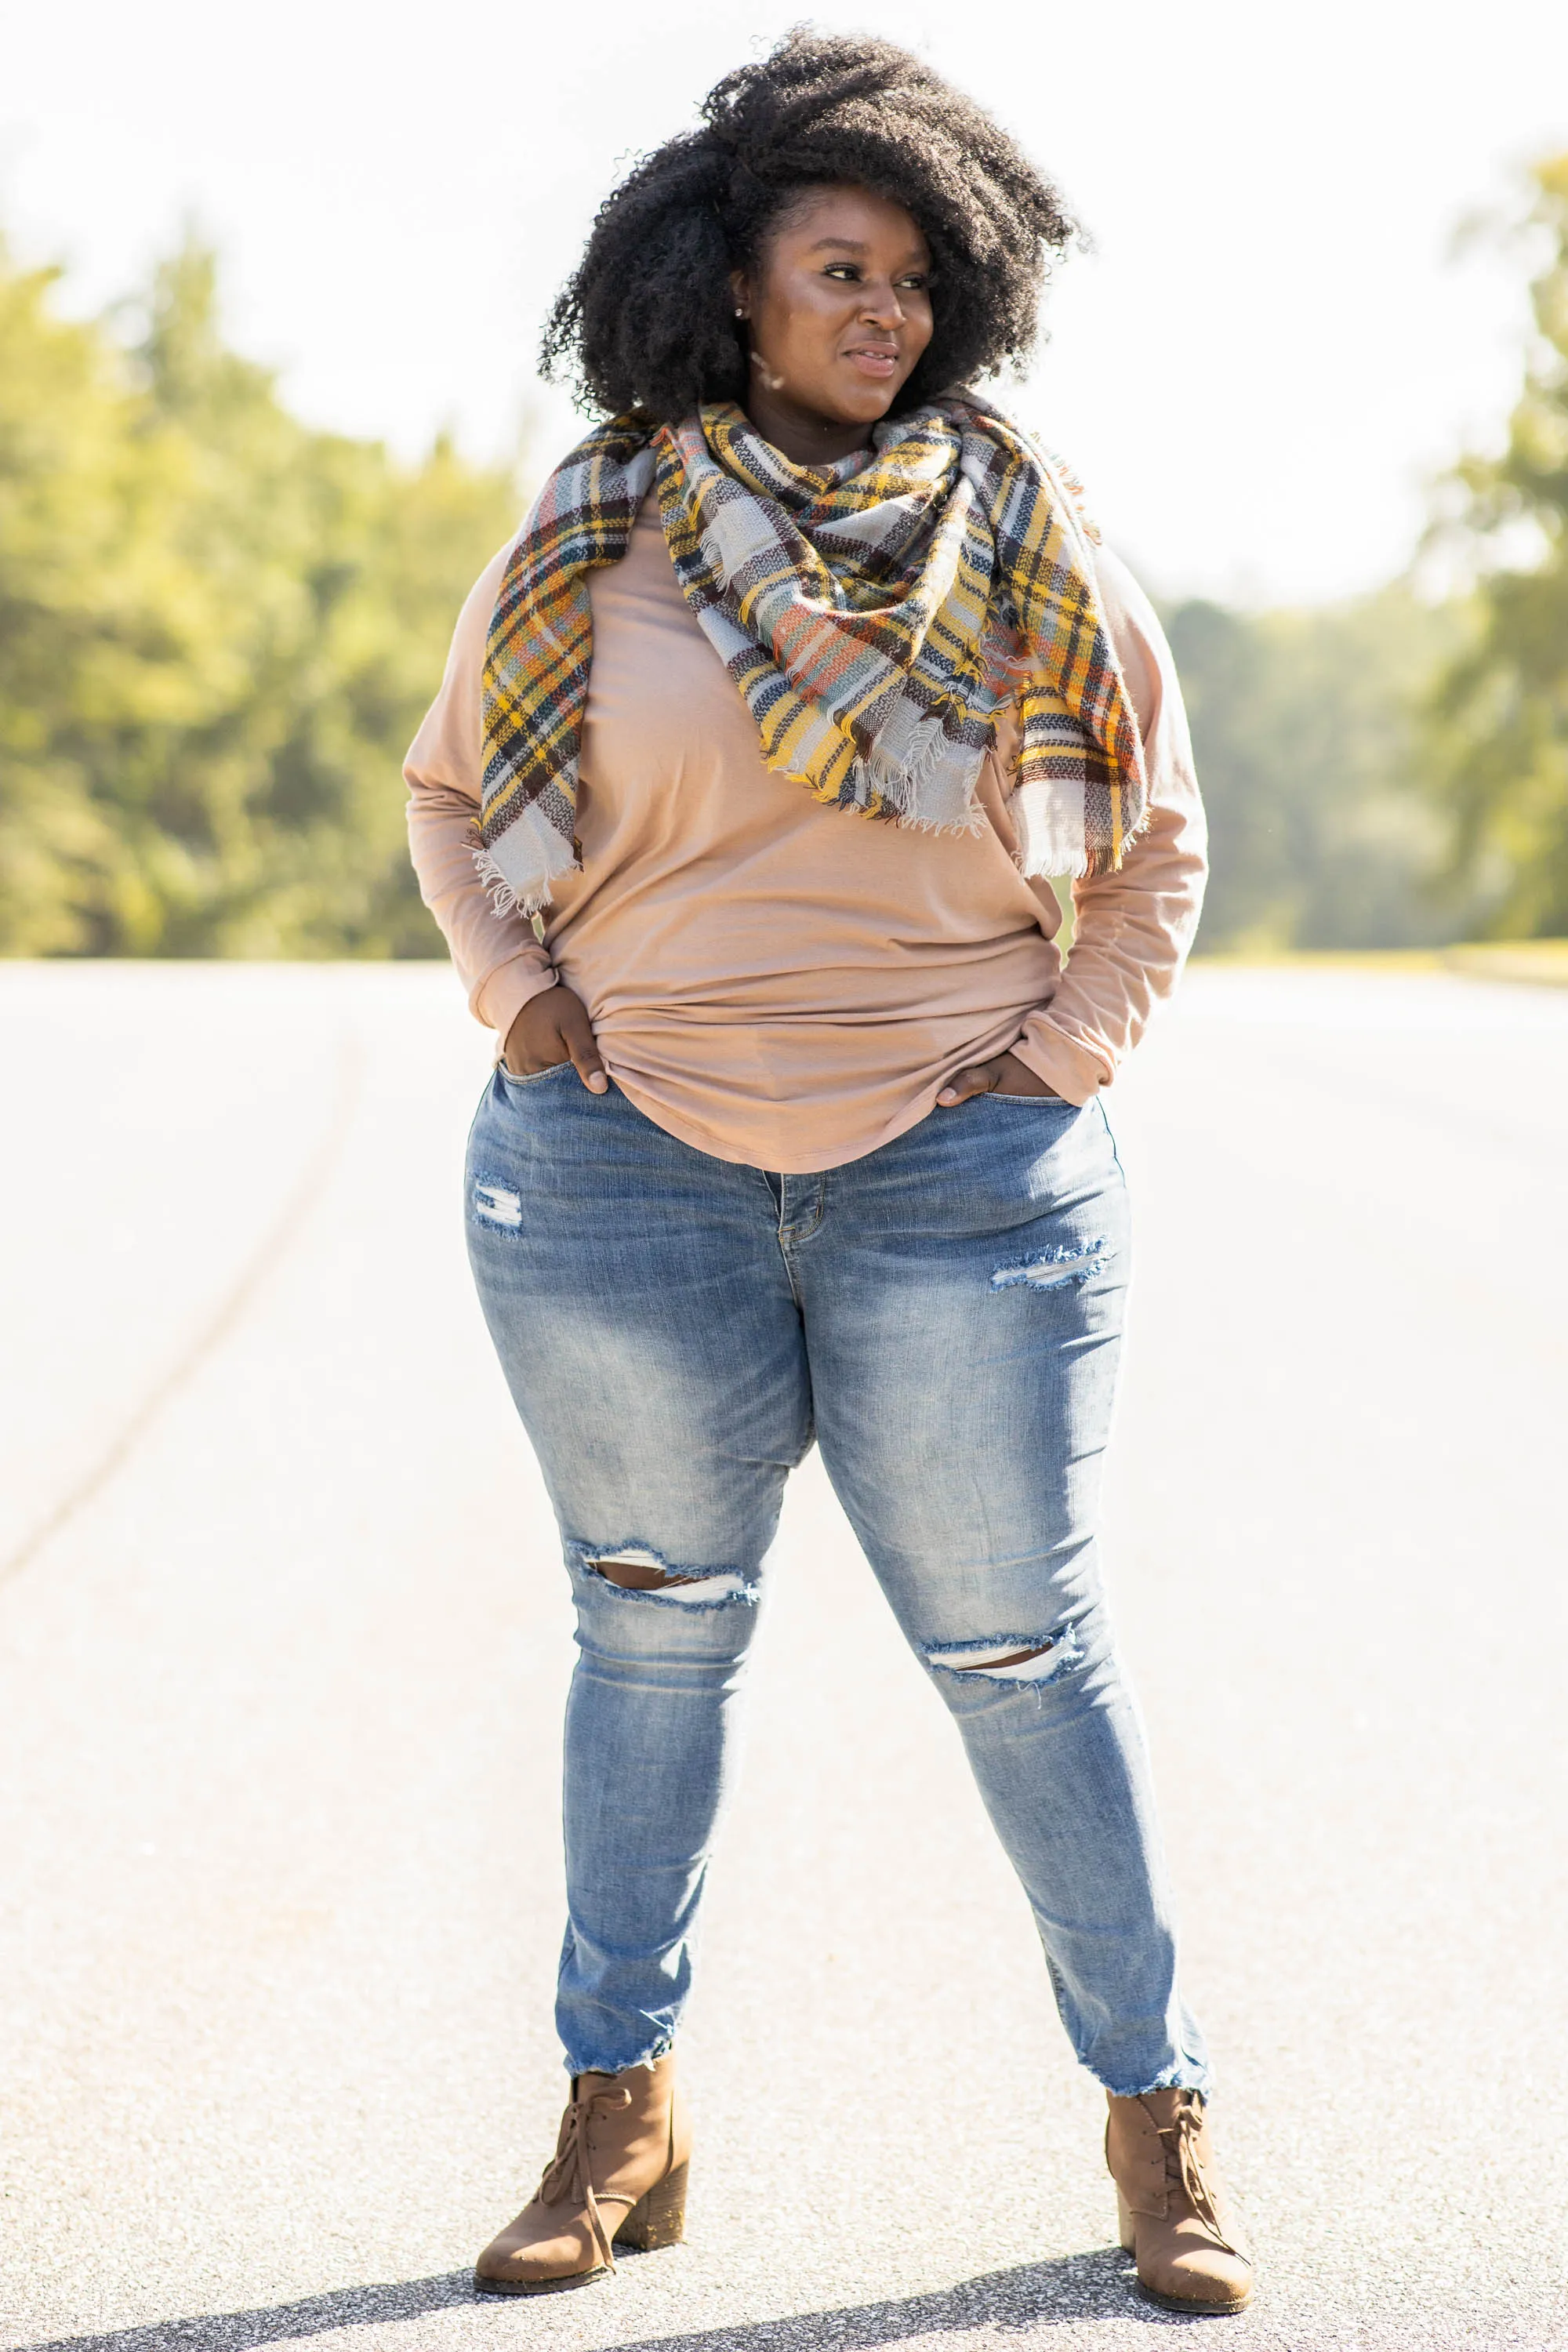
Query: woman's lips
(873, 362)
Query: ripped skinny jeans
(943, 1317)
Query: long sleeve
(497, 957)
(1133, 927)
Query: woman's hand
(554, 1027)
(1002, 1075)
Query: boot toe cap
(1201, 2278)
(534, 2265)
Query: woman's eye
(916, 280)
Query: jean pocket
(530, 1077)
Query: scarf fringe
(528, 887)
(1042, 855)
(502, 896)
(965, 828)
(910, 786)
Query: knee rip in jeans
(643, 1573)
(1013, 1658)
(1067, 1262)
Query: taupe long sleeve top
(772, 980)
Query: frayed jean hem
(1185, 2074)
(660, 2049)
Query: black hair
(646, 321)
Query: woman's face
(837, 317)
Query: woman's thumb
(577, 1031)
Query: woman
(794, 1132)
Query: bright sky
(1256, 371)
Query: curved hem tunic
(772, 980)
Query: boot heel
(1125, 2225)
(660, 2218)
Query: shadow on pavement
(1070, 2289)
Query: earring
(739, 312)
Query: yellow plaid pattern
(873, 614)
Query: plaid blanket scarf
(873, 614)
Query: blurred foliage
(1498, 720)
(218, 630)
(1306, 732)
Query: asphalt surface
(283, 1647)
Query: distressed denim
(943, 1317)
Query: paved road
(284, 1649)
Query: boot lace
(1184, 2168)
(570, 2173)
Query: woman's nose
(881, 305)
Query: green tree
(1305, 727)
(219, 629)
(85, 624)
(1500, 713)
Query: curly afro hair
(646, 322)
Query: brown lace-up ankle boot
(1176, 2220)
(618, 2177)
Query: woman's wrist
(1068, 1068)
(503, 992)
